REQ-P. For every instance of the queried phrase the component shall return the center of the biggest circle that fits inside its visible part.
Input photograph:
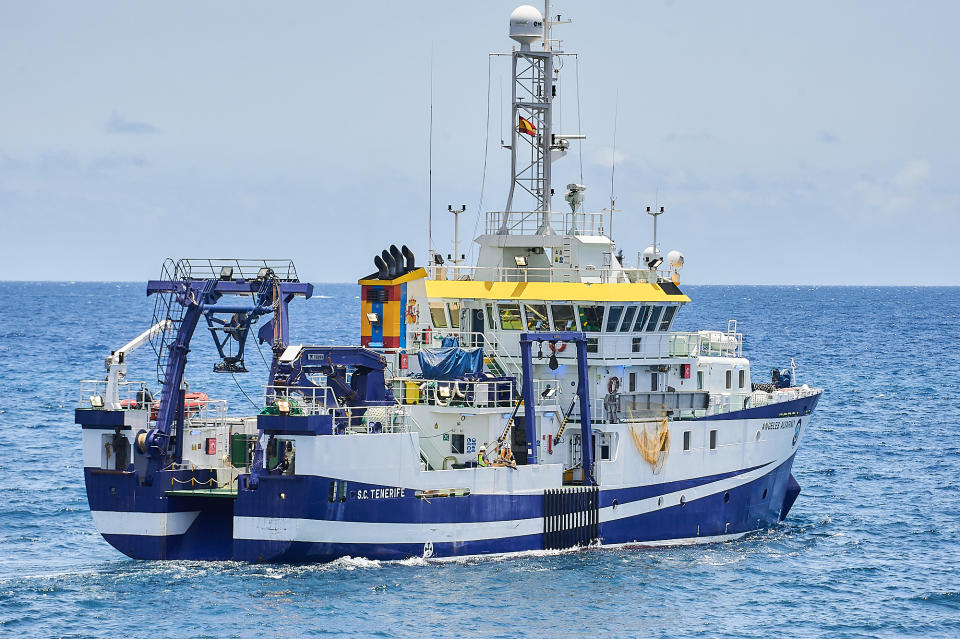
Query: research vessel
(537, 399)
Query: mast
(531, 99)
(534, 90)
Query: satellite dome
(675, 259)
(649, 254)
(526, 25)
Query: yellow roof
(415, 274)
(559, 291)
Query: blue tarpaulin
(450, 363)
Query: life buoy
(613, 385)
(192, 403)
(558, 348)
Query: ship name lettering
(777, 425)
(381, 493)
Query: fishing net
(652, 440)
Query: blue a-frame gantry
(190, 298)
(583, 392)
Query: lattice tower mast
(532, 98)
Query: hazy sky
(812, 142)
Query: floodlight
(283, 406)
(264, 273)
(96, 401)
(373, 318)
(548, 392)
(226, 273)
(521, 261)
(444, 391)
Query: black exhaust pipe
(398, 258)
(391, 264)
(408, 254)
(382, 272)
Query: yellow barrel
(412, 394)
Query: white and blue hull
(699, 495)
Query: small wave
(949, 598)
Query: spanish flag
(526, 126)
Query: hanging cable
(235, 381)
(486, 153)
(579, 128)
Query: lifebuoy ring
(613, 385)
(558, 348)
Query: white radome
(526, 24)
(675, 259)
(648, 254)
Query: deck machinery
(624, 431)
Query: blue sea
(871, 548)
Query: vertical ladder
(571, 517)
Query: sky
(790, 143)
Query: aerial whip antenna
(430, 165)
(613, 159)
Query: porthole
(726, 497)
(764, 494)
(660, 502)
(683, 500)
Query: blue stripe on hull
(746, 509)
(305, 552)
(211, 536)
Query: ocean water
(871, 548)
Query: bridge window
(729, 378)
(641, 318)
(438, 314)
(628, 316)
(637, 344)
(613, 318)
(454, 314)
(591, 318)
(536, 317)
(654, 318)
(510, 317)
(668, 317)
(564, 319)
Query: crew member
(482, 456)
(506, 457)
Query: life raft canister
(613, 385)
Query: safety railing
(556, 273)
(368, 420)
(463, 393)
(133, 395)
(532, 222)
(236, 269)
(299, 400)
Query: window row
(593, 318)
